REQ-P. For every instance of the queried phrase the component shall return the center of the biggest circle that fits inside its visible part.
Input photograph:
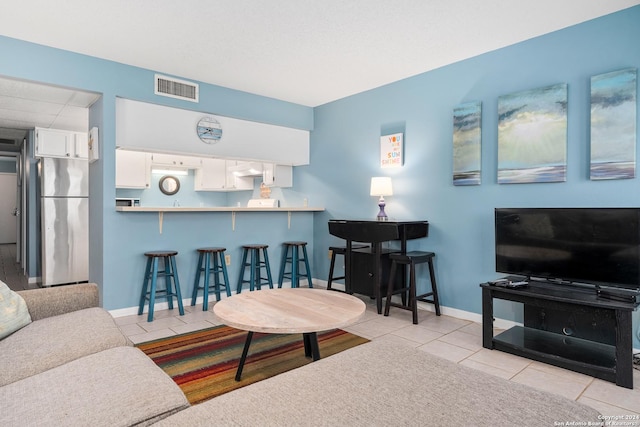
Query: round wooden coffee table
(289, 311)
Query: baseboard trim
(130, 311)
(447, 311)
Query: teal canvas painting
(467, 142)
(613, 125)
(532, 136)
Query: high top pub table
(366, 270)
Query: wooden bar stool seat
(256, 264)
(149, 284)
(335, 251)
(295, 259)
(412, 259)
(210, 261)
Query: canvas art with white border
(391, 151)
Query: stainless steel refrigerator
(64, 221)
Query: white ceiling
(25, 105)
(308, 52)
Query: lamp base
(382, 216)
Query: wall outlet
(227, 259)
(330, 253)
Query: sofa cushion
(13, 311)
(57, 300)
(116, 387)
(50, 342)
(385, 383)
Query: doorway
(8, 209)
(26, 106)
(11, 271)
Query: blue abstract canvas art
(532, 136)
(613, 125)
(467, 143)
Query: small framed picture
(391, 155)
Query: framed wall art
(391, 155)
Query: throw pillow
(13, 311)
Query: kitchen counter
(215, 209)
(234, 210)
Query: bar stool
(412, 259)
(255, 266)
(339, 250)
(295, 261)
(205, 256)
(152, 273)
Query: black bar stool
(255, 265)
(152, 273)
(412, 259)
(206, 256)
(339, 250)
(295, 261)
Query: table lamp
(381, 186)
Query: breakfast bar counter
(234, 210)
(215, 209)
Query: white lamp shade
(381, 186)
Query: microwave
(128, 201)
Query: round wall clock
(209, 130)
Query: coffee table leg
(245, 350)
(311, 348)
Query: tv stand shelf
(609, 356)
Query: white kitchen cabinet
(236, 183)
(277, 175)
(174, 160)
(81, 145)
(211, 176)
(61, 143)
(133, 169)
(157, 128)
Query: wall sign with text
(391, 151)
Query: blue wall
(186, 196)
(345, 149)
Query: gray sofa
(385, 383)
(72, 366)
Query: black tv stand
(566, 326)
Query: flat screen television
(596, 246)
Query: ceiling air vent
(175, 88)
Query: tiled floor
(457, 340)
(10, 270)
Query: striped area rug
(204, 363)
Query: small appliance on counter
(128, 201)
(263, 203)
